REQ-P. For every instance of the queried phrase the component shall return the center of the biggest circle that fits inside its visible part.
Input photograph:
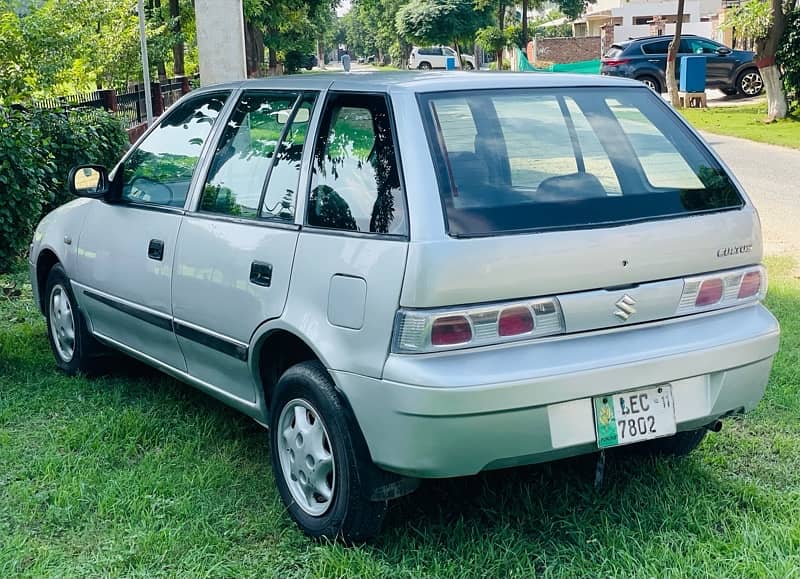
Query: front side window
(698, 46)
(160, 170)
(263, 134)
(355, 177)
(523, 160)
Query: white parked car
(418, 276)
(430, 57)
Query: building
(632, 19)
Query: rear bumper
(458, 414)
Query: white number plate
(634, 416)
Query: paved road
(771, 177)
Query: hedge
(37, 150)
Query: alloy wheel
(751, 84)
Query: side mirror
(724, 51)
(89, 181)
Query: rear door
(126, 249)
(236, 247)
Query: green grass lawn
(746, 122)
(135, 474)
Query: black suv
(645, 59)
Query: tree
(674, 46)
(765, 22)
(440, 21)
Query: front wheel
(74, 348)
(319, 473)
(750, 83)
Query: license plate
(634, 416)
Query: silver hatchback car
(420, 275)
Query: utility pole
(148, 97)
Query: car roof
(423, 82)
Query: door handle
(652, 60)
(261, 273)
(155, 250)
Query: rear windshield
(613, 52)
(535, 159)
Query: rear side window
(531, 159)
(355, 176)
(659, 47)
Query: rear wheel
(468, 66)
(730, 91)
(651, 82)
(424, 66)
(750, 83)
(320, 475)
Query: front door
(126, 248)
(719, 67)
(235, 250)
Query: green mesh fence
(581, 67)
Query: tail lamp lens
(451, 330)
(515, 321)
(751, 284)
(710, 292)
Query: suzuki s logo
(625, 307)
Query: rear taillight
(751, 284)
(451, 330)
(418, 331)
(710, 292)
(722, 290)
(615, 61)
(515, 321)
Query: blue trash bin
(693, 74)
(450, 63)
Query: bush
(38, 150)
(789, 57)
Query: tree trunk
(501, 24)
(524, 46)
(253, 48)
(459, 60)
(273, 60)
(178, 67)
(674, 46)
(765, 60)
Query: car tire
(320, 473)
(73, 346)
(468, 66)
(730, 91)
(651, 82)
(750, 83)
(680, 444)
(424, 66)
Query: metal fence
(128, 106)
(67, 102)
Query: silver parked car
(414, 276)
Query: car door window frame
(210, 140)
(306, 180)
(196, 192)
